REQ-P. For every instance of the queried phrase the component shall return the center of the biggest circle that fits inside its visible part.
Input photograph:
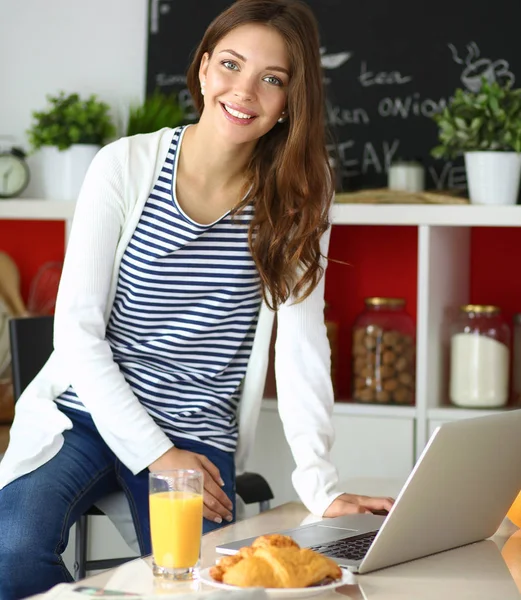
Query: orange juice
(176, 524)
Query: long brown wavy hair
(288, 176)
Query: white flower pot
(493, 177)
(63, 171)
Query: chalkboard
(388, 66)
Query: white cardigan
(115, 190)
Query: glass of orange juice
(176, 522)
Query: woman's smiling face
(246, 82)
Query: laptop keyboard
(351, 548)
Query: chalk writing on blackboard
(333, 61)
(374, 157)
(411, 105)
(359, 158)
(368, 78)
(475, 68)
(158, 8)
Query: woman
(177, 239)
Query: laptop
(458, 492)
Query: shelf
(37, 210)
(445, 413)
(453, 413)
(361, 410)
(421, 214)
(343, 214)
(374, 410)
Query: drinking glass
(176, 522)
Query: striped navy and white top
(184, 315)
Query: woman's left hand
(348, 504)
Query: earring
(203, 84)
(282, 118)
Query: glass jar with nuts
(384, 353)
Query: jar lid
(380, 301)
(483, 309)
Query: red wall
(495, 268)
(31, 244)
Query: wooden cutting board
(4, 438)
(10, 285)
(386, 196)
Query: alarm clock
(14, 173)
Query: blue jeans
(38, 509)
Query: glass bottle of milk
(479, 357)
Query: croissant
(275, 539)
(218, 570)
(275, 562)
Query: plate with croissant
(278, 564)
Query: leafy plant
(489, 119)
(71, 120)
(157, 111)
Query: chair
(31, 340)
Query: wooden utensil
(10, 285)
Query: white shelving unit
(37, 210)
(385, 441)
(343, 214)
(444, 215)
(373, 440)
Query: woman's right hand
(217, 505)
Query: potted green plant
(484, 127)
(157, 111)
(67, 135)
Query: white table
(476, 572)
